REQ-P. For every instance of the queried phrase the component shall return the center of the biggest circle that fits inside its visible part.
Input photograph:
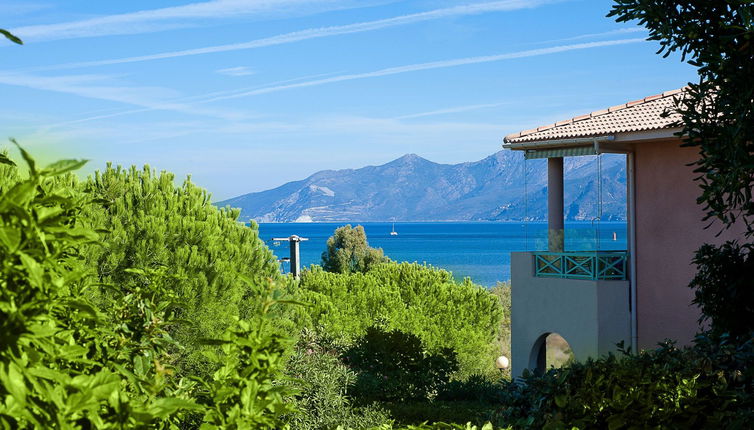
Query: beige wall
(668, 231)
(592, 316)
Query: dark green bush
(707, 386)
(476, 388)
(724, 287)
(395, 366)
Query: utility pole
(293, 242)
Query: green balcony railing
(596, 265)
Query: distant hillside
(412, 188)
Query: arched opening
(550, 350)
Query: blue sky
(245, 95)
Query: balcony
(595, 265)
(583, 296)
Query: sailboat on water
(393, 233)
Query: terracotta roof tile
(638, 115)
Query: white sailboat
(393, 233)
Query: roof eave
(558, 143)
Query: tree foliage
(218, 266)
(348, 251)
(67, 361)
(412, 298)
(717, 112)
(323, 400)
(717, 117)
(395, 366)
(724, 290)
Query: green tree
(716, 37)
(67, 361)
(349, 252)
(415, 299)
(219, 267)
(717, 117)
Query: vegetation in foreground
(128, 301)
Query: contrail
(316, 33)
(429, 66)
(225, 95)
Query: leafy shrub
(323, 382)
(724, 287)
(395, 366)
(348, 251)
(707, 386)
(435, 426)
(502, 290)
(415, 299)
(68, 362)
(477, 388)
(244, 391)
(59, 364)
(219, 266)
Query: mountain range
(412, 188)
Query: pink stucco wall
(668, 231)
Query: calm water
(479, 250)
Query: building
(595, 299)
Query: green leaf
(616, 422)
(12, 379)
(10, 237)
(33, 268)
(43, 213)
(164, 407)
(27, 157)
(8, 35)
(64, 166)
(561, 400)
(5, 160)
(20, 195)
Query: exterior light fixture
(502, 363)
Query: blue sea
(478, 250)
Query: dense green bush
(219, 266)
(69, 362)
(724, 287)
(395, 366)
(414, 299)
(323, 382)
(707, 386)
(348, 251)
(502, 290)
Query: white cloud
(620, 31)
(184, 103)
(456, 109)
(235, 71)
(152, 20)
(104, 87)
(315, 33)
(429, 66)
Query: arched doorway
(550, 350)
